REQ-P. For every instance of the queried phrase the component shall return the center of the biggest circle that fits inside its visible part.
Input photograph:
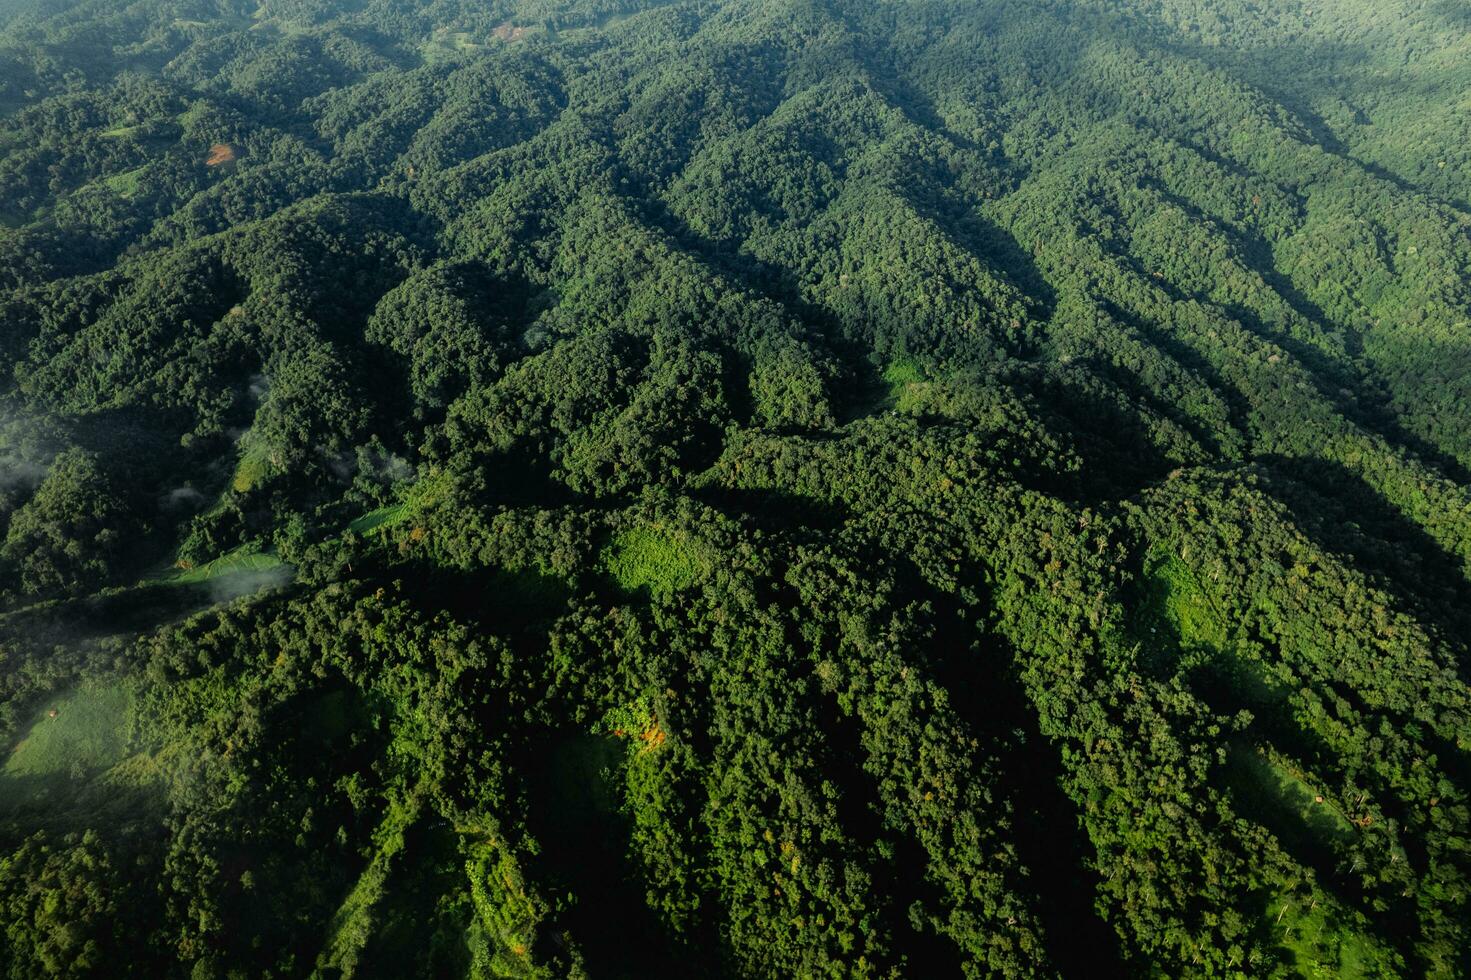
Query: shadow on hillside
(1344, 515)
(1047, 829)
(575, 792)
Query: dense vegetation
(824, 488)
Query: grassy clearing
(263, 19)
(903, 371)
(1175, 597)
(244, 571)
(443, 45)
(418, 497)
(241, 560)
(120, 131)
(87, 734)
(1326, 940)
(904, 378)
(380, 518)
(600, 23)
(1267, 786)
(1179, 625)
(654, 560)
(73, 770)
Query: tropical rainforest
(735, 488)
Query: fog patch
(233, 585)
(20, 473)
(341, 465)
(374, 465)
(181, 498)
(27, 448)
(387, 468)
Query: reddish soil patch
(220, 153)
(508, 32)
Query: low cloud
(379, 466)
(17, 473)
(342, 465)
(180, 498)
(393, 468)
(233, 585)
(27, 447)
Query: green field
(380, 518)
(444, 45)
(74, 768)
(1326, 940)
(1267, 787)
(244, 571)
(236, 562)
(87, 733)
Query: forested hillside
(735, 488)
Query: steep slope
(772, 488)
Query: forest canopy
(735, 488)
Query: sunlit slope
(798, 489)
